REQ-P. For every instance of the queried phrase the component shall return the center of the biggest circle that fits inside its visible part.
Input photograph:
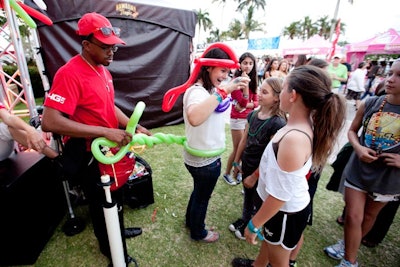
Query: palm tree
(250, 24)
(323, 27)
(214, 36)
(292, 30)
(335, 18)
(235, 30)
(243, 4)
(308, 28)
(203, 19)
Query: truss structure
(17, 88)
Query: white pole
(113, 228)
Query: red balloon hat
(172, 94)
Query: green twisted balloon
(142, 139)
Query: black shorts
(352, 95)
(285, 229)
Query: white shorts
(238, 124)
(375, 196)
(6, 142)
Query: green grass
(166, 241)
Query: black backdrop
(156, 56)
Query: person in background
(343, 85)
(283, 68)
(315, 117)
(372, 172)
(13, 128)
(320, 63)
(301, 60)
(372, 72)
(243, 102)
(80, 106)
(356, 84)
(261, 126)
(260, 69)
(205, 130)
(272, 69)
(338, 73)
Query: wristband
(222, 93)
(255, 230)
(219, 97)
(235, 164)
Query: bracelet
(235, 164)
(222, 93)
(255, 230)
(219, 97)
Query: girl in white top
(205, 135)
(356, 83)
(316, 116)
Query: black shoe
(241, 262)
(236, 225)
(132, 232)
(128, 260)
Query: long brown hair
(328, 109)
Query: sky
(364, 19)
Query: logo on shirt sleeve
(56, 98)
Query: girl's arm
(199, 113)
(267, 210)
(364, 153)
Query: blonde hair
(276, 85)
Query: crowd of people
(284, 121)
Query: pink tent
(316, 45)
(385, 43)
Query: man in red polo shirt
(80, 105)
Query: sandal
(211, 237)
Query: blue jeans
(204, 181)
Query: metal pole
(21, 61)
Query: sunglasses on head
(107, 31)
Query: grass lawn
(166, 242)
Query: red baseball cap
(100, 27)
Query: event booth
(385, 43)
(316, 45)
(156, 56)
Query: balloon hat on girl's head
(172, 94)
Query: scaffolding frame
(12, 90)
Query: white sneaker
(239, 178)
(345, 263)
(228, 179)
(335, 251)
